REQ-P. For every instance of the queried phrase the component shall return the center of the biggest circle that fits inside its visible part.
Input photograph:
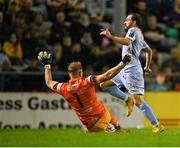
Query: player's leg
(114, 122)
(102, 124)
(110, 87)
(106, 84)
(146, 109)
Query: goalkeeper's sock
(113, 119)
(116, 92)
(146, 109)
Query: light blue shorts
(133, 81)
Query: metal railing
(34, 81)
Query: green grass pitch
(77, 137)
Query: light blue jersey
(132, 74)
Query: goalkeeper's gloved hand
(127, 58)
(45, 57)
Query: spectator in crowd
(29, 45)
(94, 27)
(26, 11)
(175, 78)
(153, 34)
(77, 29)
(77, 54)
(95, 59)
(40, 29)
(161, 84)
(172, 65)
(160, 8)
(7, 67)
(4, 29)
(20, 26)
(177, 87)
(86, 42)
(76, 5)
(176, 83)
(3, 57)
(11, 15)
(153, 7)
(54, 6)
(95, 7)
(13, 49)
(58, 61)
(67, 44)
(173, 21)
(85, 21)
(165, 7)
(32, 65)
(110, 53)
(3, 5)
(174, 17)
(141, 8)
(40, 6)
(76, 51)
(59, 29)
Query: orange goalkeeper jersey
(80, 94)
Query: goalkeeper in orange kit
(80, 93)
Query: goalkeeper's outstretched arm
(45, 58)
(48, 77)
(115, 70)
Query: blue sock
(116, 92)
(146, 109)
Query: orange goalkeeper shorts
(102, 123)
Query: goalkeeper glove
(127, 58)
(45, 57)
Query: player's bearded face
(128, 23)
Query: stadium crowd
(70, 30)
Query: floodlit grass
(78, 138)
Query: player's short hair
(137, 17)
(74, 67)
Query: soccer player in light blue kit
(132, 74)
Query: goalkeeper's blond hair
(74, 67)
